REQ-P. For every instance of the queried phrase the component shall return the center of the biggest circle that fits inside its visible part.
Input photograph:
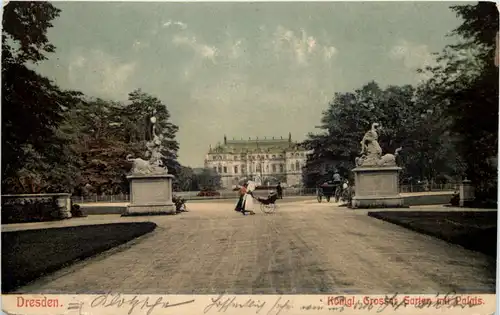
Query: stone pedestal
(377, 187)
(466, 193)
(64, 202)
(150, 195)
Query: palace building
(267, 161)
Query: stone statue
(140, 166)
(153, 166)
(370, 148)
(371, 152)
(389, 159)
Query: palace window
(291, 167)
(220, 169)
(225, 169)
(274, 168)
(297, 166)
(236, 169)
(282, 168)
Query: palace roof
(266, 144)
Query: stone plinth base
(466, 193)
(150, 195)
(377, 187)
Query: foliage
(98, 145)
(186, 180)
(447, 126)
(105, 132)
(208, 179)
(408, 120)
(466, 82)
(194, 180)
(137, 116)
(22, 211)
(35, 155)
(24, 36)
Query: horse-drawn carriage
(327, 191)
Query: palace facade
(266, 161)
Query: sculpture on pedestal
(376, 176)
(371, 152)
(154, 165)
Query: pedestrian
(248, 204)
(337, 185)
(279, 191)
(242, 191)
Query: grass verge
(30, 254)
(473, 230)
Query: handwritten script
(223, 303)
(134, 303)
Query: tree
(403, 113)
(347, 118)
(208, 179)
(108, 131)
(35, 155)
(186, 180)
(137, 116)
(24, 36)
(99, 140)
(466, 82)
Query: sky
(242, 69)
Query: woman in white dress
(248, 204)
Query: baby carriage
(268, 205)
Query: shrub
(25, 210)
(208, 193)
(76, 211)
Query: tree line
(55, 140)
(447, 125)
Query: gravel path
(305, 247)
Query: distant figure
(345, 185)
(336, 178)
(279, 191)
(242, 192)
(337, 182)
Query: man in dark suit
(279, 191)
